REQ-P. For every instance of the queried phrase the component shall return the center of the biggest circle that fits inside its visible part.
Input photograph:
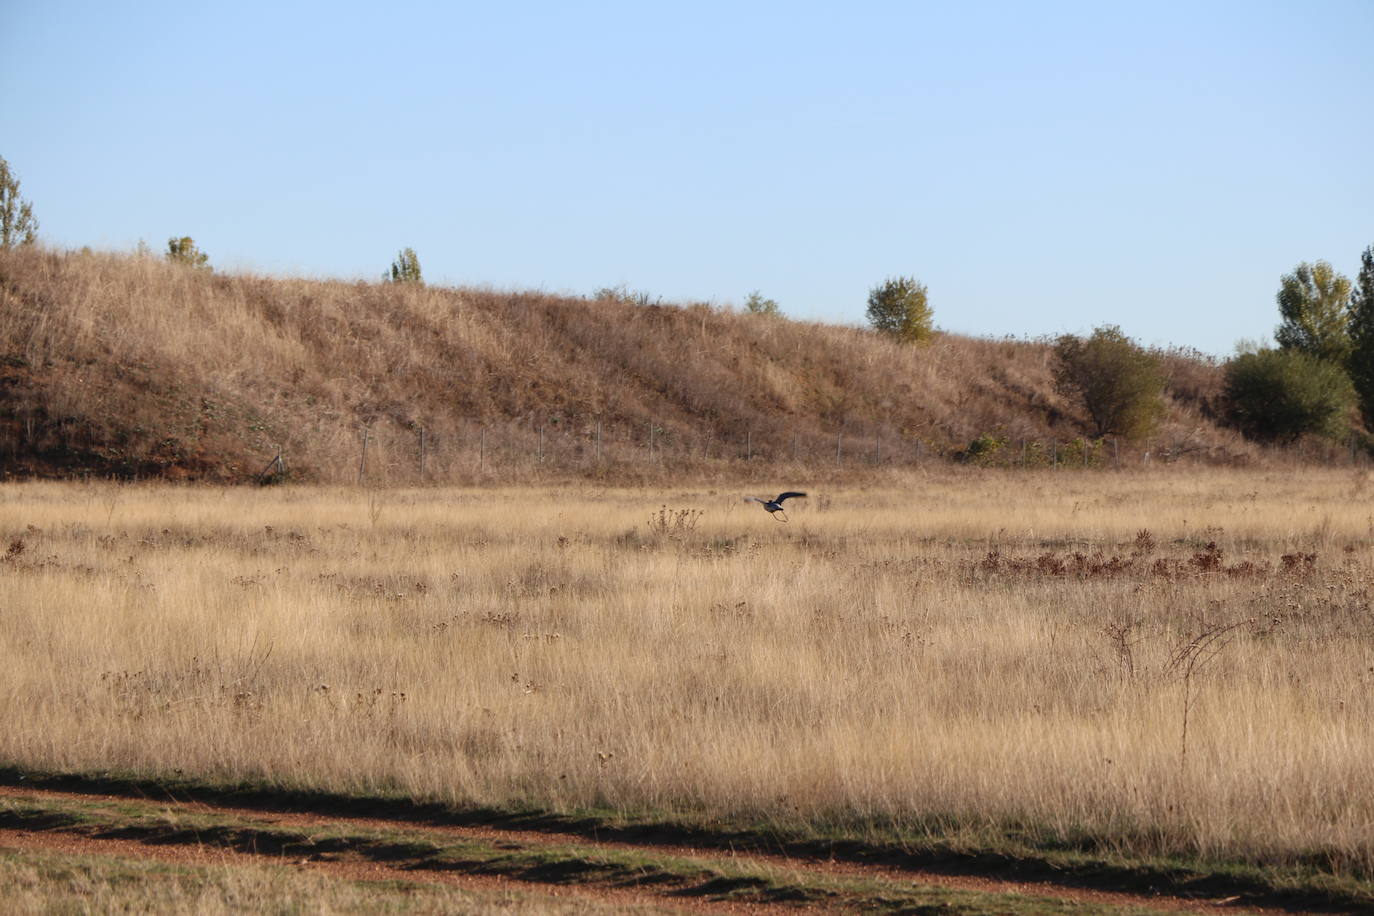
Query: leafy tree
(899, 308)
(755, 304)
(1120, 384)
(1361, 362)
(17, 225)
(183, 251)
(1280, 395)
(406, 267)
(1314, 301)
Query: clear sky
(1042, 167)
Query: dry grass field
(1150, 663)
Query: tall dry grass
(132, 366)
(952, 653)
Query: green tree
(1361, 362)
(17, 225)
(1314, 302)
(1119, 384)
(755, 304)
(900, 309)
(1280, 395)
(406, 267)
(183, 251)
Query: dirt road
(633, 873)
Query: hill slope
(113, 364)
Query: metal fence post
(362, 459)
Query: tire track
(793, 867)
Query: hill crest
(129, 366)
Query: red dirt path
(67, 841)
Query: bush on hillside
(900, 309)
(183, 251)
(1119, 384)
(626, 296)
(406, 268)
(755, 304)
(984, 450)
(1280, 395)
(17, 225)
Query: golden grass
(46, 883)
(953, 652)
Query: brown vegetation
(1157, 664)
(131, 366)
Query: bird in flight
(774, 505)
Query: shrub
(17, 225)
(984, 449)
(900, 309)
(1279, 395)
(183, 251)
(406, 267)
(755, 304)
(626, 296)
(1120, 385)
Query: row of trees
(1310, 383)
(1322, 371)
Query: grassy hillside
(129, 366)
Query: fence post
(276, 466)
(362, 459)
(598, 440)
(541, 443)
(839, 446)
(422, 454)
(482, 451)
(749, 445)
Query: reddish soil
(69, 841)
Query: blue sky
(1043, 168)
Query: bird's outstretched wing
(754, 499)
(788, 495)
